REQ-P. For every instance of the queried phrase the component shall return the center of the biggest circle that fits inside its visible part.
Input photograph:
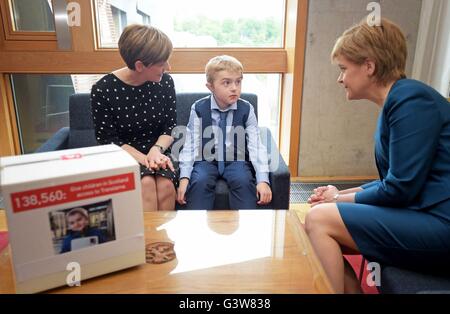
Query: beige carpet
(301, 210)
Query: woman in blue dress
(402, 219)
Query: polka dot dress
(134, 115)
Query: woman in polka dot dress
(135, 108)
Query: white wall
(337, 135)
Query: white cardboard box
(40, 189)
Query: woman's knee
(148, 182)
(325, 218)
(148, 186)
(317, 218)
(164, 188)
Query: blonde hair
(144, 43)
(78, 210)
(385, 45)
(222, 63)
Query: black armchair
(81, 133)
(396, 280)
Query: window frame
(144, 16)
(12, 35)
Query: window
(201, 23)
(197, 23)
(42, 106)
(42, 101)
(145, 18)
(119, 18)
(33, 15)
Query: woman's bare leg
(328, 233)
(166, 193)
(351, 282)
(149, 199)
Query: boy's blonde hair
(385, 45)
(222, 63)
(144, 43)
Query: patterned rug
(300, 192)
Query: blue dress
(403, 219)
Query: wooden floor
(3, 221)
(301, 210)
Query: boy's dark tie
(223, 127)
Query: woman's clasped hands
(323, 194)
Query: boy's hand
(263, 193)
(181, 192)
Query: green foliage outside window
(234, 32)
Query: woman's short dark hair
(144, 43)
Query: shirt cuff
(185, 172)
(262, 177)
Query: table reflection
(207, 239)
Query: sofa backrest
(82, 132)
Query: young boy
(229, 118)
(78, 222)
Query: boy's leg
(242, 185)
(200, 193)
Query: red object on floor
(3, 240)
(355, 261)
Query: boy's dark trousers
(239, 177)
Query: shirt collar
(216, 107)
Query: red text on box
(71, 192)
